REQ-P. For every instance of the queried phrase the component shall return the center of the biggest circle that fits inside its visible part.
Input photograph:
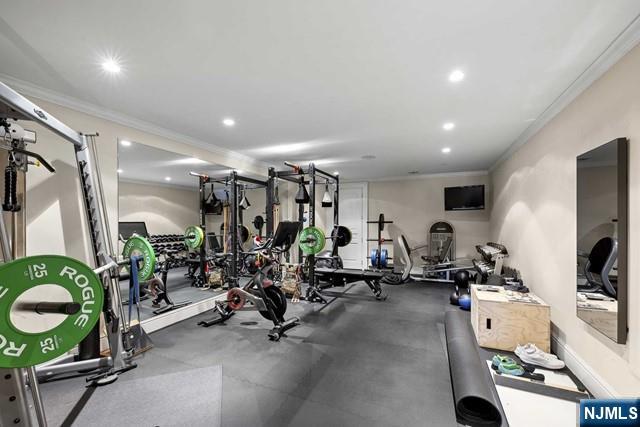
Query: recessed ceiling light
(120, 171)
(125, 143)
(456, 76)
(111, 66)
(446, 150)
(448, 126)
(336, 173)
(189, 161)
(167, 178)
(368, 157)
(228, 122)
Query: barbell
(136, 245)
(381, 222)
(312, 239)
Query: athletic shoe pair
(532, 355)
(507, 365)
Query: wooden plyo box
(502, 324)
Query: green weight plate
(193, 237)
(138, 245)
(311, 240)
(20, 349)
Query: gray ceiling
(320, 80)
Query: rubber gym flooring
(353, 362)
(180, 290)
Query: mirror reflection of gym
(602, 194)
(158, 199)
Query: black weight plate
(341, 235)
(258, 222)
(276, 300)
(244, 234)
(381, 222)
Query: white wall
(534, 214)
(55, 216)
(414, 204)
(164, 209)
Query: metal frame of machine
(306, 176)
(16, 107)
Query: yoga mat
(475, 397)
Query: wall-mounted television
(466, 198)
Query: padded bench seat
(341, 276)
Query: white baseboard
(594, 383)
(167, 319)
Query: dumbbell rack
(381, 241)
(169, 242)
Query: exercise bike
(260, 293)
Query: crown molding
(170, 186)
(619, 47)
(418, 177)
(32, 90)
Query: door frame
(364, 232)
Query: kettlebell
(461, 282)
(453, 298)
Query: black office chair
(599, 265)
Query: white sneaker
(529, 348)
(531, 354)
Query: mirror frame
(622, 327)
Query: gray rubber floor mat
(186, 398)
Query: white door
(353, 215)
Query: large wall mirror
(602, 218)
(159, 199)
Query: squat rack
(203, 180)
(234, 180)
(306, 176)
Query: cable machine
(15, 107)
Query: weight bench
(342, 276)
